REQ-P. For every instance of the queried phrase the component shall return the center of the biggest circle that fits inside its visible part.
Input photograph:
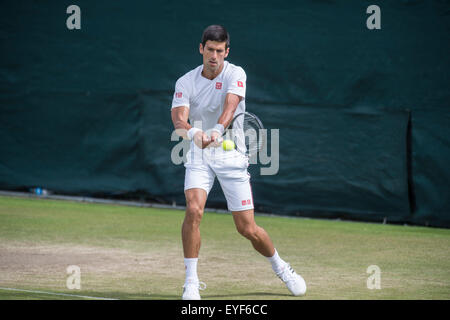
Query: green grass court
(136, 253)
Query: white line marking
(56, 294)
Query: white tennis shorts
(230, 167)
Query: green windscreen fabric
(362, 114)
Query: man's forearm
(226, 117)
(180, 121)
(230, 106)
(181, 128)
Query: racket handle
(219, 140)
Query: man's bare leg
(190, 234)
(190, 231)
(246, 226)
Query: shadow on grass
(249, 294)
(137, 296)
(254, 295)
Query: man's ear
(200, 48)
(227, 51)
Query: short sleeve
(181, 94)
(237, 82)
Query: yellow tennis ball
(228, 145)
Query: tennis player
(208, 96)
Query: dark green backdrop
(363, 114)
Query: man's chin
(212, 68)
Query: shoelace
(201, 285)
(287, 274)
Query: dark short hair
(217, 33)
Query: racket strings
(247, 134)
(251, 132)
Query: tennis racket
(244, 131)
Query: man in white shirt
(209, 96)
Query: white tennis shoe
(294, 282)
(191, 290)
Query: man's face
(214, 53)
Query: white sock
(278, 264)
(190, 265)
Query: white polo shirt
(205, 98)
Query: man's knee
(248, 231)
(194, 214)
